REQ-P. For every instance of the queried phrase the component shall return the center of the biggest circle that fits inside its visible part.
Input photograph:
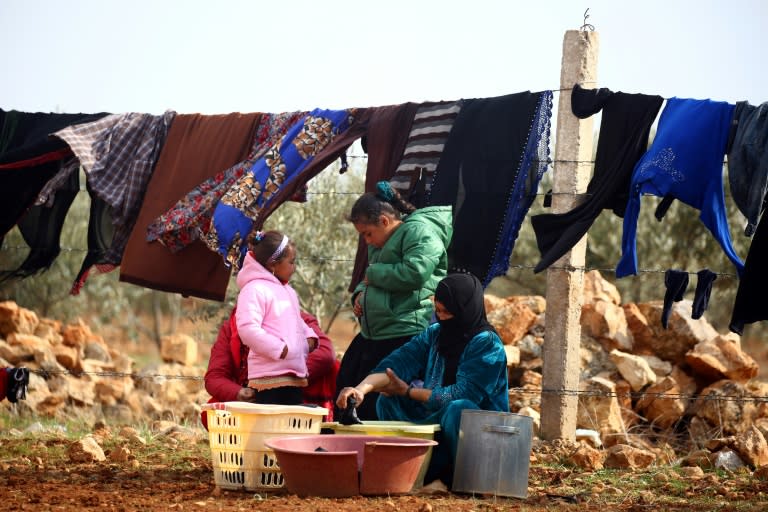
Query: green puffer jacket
(402, 275)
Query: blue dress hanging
(685, 161)
(234, 216)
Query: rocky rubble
(653, 395)
(75, 373)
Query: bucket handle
(502, 429)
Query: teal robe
(481, 383)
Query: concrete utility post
(565, 279)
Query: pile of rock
(645, 389)
(75, 373)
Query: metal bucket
(493, 454)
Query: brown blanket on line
(196, 148)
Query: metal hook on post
(587, 26)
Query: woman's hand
(284, 353)
(357, 309)
(312, 342)
(347, 392)
(246, 394)
(396, 385)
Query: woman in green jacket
(407, 257)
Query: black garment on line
(25, 136)
(624, 130)
(705, 278)
(18, 190)
(100, 232)
(676, 282)
(748, 161)
(41, 228)
(477, 171)
(18, 381)
(750, 305)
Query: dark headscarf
(462, 295)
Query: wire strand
(160, 377)
(569, 268)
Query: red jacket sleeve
(221, 376)
(321, 360)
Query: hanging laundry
(623, 139)
(41, 228)
(384, 141)
(14, 383)
(240, 206)
(359, 125)
(675, 281)
(489, 172)
(748, 161)
(197, 147)
(100, 237)
(118, 154)
(190, 217)
(25, 139)
(430, 129)
(750, 305)
(684, 161)
(29, 157)
(705, 279)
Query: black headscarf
(462, 295)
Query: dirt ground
(113, 488)
(36, 475)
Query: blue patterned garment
(190, 217)
(685, 161)
(481, 383)
(234, 216)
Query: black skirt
(362, 356)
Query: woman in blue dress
(455, 364)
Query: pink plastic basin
(347, 465)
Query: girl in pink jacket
(269, 321)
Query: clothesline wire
(587, 26)
(338, 193)
(549, 161)
(511, 267)
(160, 377)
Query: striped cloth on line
(431, 126)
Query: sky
(203, 56)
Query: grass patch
(657, 488)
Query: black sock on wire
(676, 282)
(703, 290)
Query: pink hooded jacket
(268, 318)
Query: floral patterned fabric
(235, 214)
(190, 218)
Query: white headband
(279, 250)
